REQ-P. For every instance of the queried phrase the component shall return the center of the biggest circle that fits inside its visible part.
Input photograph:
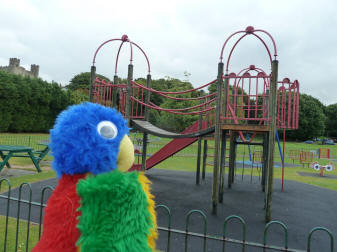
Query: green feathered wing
(115, 213)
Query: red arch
(249, 31)
(123, 39)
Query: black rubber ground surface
(301, 207)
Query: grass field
(184, 160)
(18, 239)
(17, 181)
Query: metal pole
(264, 161)
(146, 117)
(204, 160)
(199, 152)
(231, 158)
(92, 81)
(129, 93)
(114, 93)
(217, 138)
(284, 143)
(205, 146)
(147, 97)
(265, 148)
(271, 142)
(222, 166)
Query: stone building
(15, 68)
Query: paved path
(301, 207)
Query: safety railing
(288, 104)
(21, 226)
(103, 93)
(247, 99)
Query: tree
(331, 122)
(8, 99)
(79, 87)
(82, 81)
(212, 88)
(29, 104)
(311, 119)
(167, 120)
(175, 122)
(78, 96)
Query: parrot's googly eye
(329, 168)
(107, 129)
(317, 167)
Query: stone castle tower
(15, 68)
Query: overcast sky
(178, 35)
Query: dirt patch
(20, 170)
(44, 165)
(14, 172)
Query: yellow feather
(153, 235)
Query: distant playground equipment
(294, 154)
(255, 159)
(307, 156)
(321, 168)
(248, 102)
(323, 153)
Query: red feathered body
(61, 218)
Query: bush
(29, 104)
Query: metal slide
(191, 132)
(172, 147)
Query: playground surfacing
(301, 207)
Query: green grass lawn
(17, 181)
(184, 160)
(18, 239)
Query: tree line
(32, 105)
(29, 104)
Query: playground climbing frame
(251, 101)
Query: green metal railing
(32, 231)
(233, 217)
(187, 227)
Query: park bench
(9, 151)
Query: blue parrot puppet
(97, 205)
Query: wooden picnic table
(9, 151)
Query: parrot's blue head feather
(86, 138)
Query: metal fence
(21, 226)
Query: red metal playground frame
(249, 101)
